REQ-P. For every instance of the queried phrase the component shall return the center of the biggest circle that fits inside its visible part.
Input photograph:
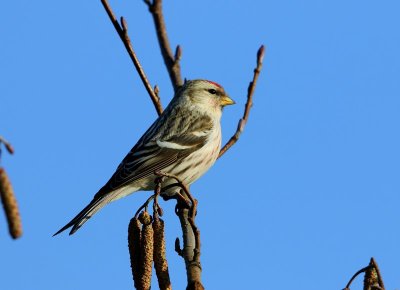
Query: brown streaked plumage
(183, 141)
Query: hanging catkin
(10, 205)
(146, 251)
(160, 259)
(134, 237)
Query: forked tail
(94, 206)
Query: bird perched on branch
(184, 141)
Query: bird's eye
(212, 91)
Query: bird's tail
(94, 206)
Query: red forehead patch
(215, 84)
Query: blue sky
(303, 200)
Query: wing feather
(170, 141)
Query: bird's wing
(167, 141)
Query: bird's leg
(157, 192)
(181, 198)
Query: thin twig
(123, 34)
(145, 205)
(178, 249)
(249, 103)
(171, 61)
(157, 192)
(7, 144)
(355, 275)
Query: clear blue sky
(303, 200)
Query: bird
(184, 141)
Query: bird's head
(205, 95)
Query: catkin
(160, 259)
(10, 205)
(371, 278)
(146, 250)
(134, 236)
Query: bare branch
(191, 235)
(171, 61)
(249, 103)
(123, 34)
(192, 212)
(189, 252)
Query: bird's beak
(225, 100)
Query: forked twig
(157, 192)
(192, 261)
(171, 61)
(249, 103)
(123, 34)
(145, 205)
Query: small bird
(185, 141)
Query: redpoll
(184, 141)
